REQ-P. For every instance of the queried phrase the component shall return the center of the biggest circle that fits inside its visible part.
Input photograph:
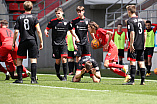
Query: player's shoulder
(87, 19)
(75, 19)
(55, 19)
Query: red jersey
(103, 37)
(6, 37)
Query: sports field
(52, 91)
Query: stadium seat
(13, 6)
(15, 16)
(21, 7)
(25, 0)
(10, 0)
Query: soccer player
(136, 27)
(87, 65)
(104, 37)
(6, 54)
(71, 52)
(119, 38)
(148, 53)
(59, 27)
(80, 24)
(27, 24)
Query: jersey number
(140, 28)
(26, 24)
(8, 33)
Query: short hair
(4, 22)
(119, 24)
(58, 8)
(148, 21)
(80, 8)
(131, 8)
(88, 65)
(93, 24)
(28, 5)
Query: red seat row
(21, 0)
(14, 6)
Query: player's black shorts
(83, 50)
(121, 53)
(128, 55)
(148, 52)
(138, 55)
(72, 54)
(29, 45)
(59, 51)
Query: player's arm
(92, 35)
(145, 36)
(110, 37)
(96, 72)
(132, 36)
(76, 37)
(126, 21)
(79, 73)
(46, 31)
(126, 41)
(39, 35)
(14, 38)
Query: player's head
(59, 13)
(92, 27)
(119, 27)
(131, 9)
(80, 11)
(88, 65)
(4, 23)
(28, 5)
(148, 24)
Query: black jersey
(59, 30)
(138, 26)
(81, 29)
(84, 60)
(26, 23)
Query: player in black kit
(137, 36)
(87, 65)
(81, 28)
(59, 27)
(27, 24)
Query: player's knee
(70, 60)
(105, 65)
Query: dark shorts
(138, 55)
(72, 54)
(128, 55)
(148, 52)
(121, 53)
(29, 45)
(59, 51)
(83, 50)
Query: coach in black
(137, 36)
(59, 27)
(27, 24)
(81, 28)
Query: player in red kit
(6, 54)
(104, 37)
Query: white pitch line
(101, 77)
(60, 87)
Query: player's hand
(41, 46)
(13, 47)
(106, 46)
(83, 71)
(46, 33)
(75, 47)
(132, 49)
(93, 70)
(77, 40)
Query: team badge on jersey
(128, 26)
(100, 40)
(65, 23)
(86, 22)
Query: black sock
(65, 69)
(71, 66)
(120, 62)
(57, 67)
(138, 67)
(76, 66)
(116, 62)
(19, 72)
(132, 72)
(142, 71)
(148, 68)
(33, 71)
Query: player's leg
(71, 62)
(121, 56)
(146, 58)
(78, 56)
(33, 70)
(74, 79)
(2, 69)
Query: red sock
(2, 69)
(24, 69)
(24, 75)
(119, 72)
(115, 65)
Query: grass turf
(51, 90)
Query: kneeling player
(87, 65)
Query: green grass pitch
(52, 91)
